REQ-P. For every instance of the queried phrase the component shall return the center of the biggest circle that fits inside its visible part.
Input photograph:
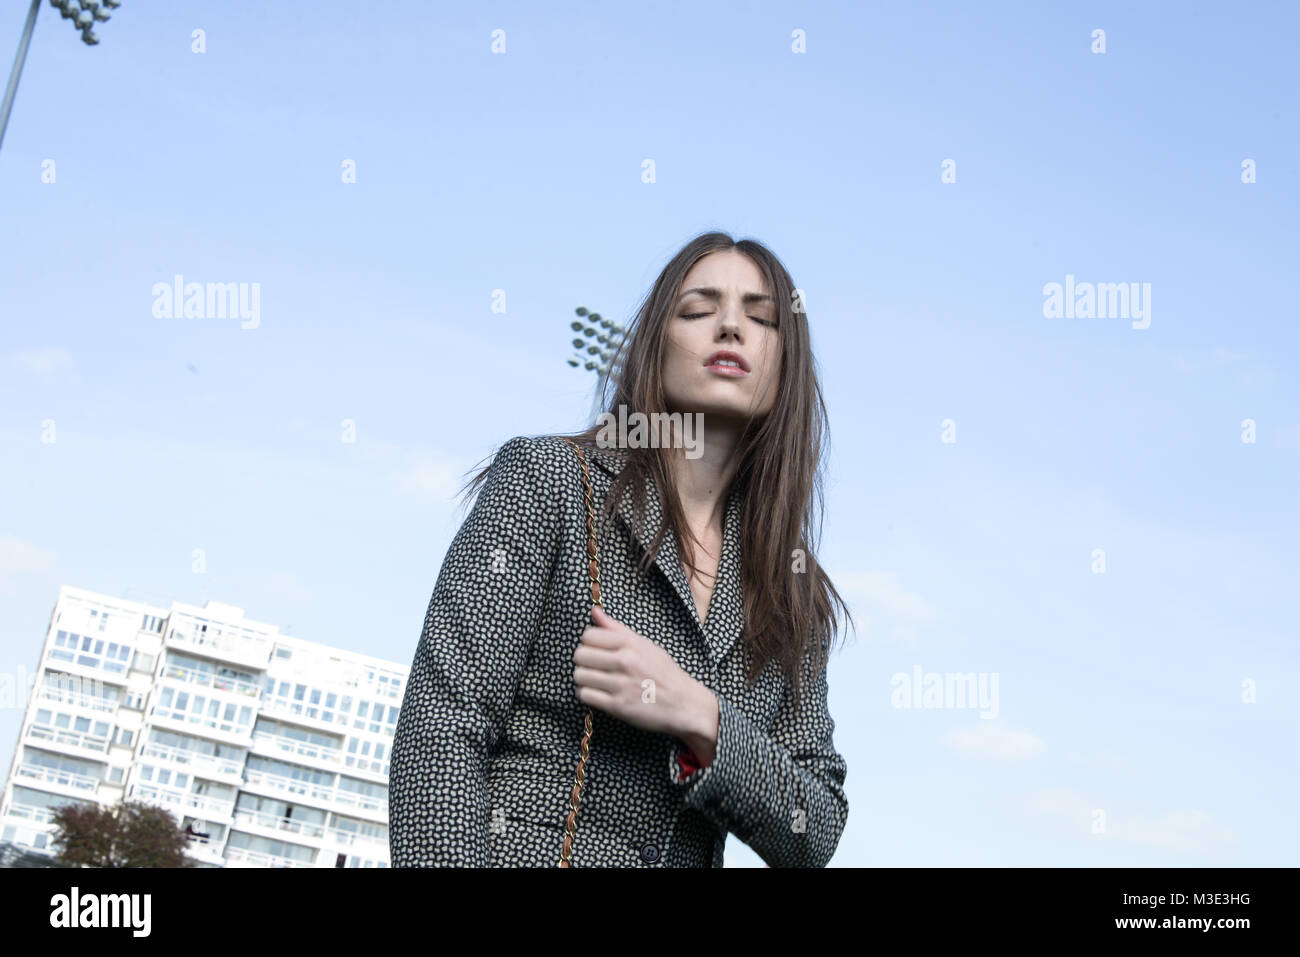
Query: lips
(735, 357)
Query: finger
(591, 678)
(596, 698)
(601, 637)
(603, 618)
(603, 659)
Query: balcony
(29, 812)
(65, 779)
(280, 746)
(189, 723)
(65, 740)
(189, 802)
(203, 765)
(206, 851)
(296, 713)
(208, 680)
(252, 653)
(275, 823)
(90, 702)
(362, 802)
(341, 838)
(281, 784)
(242, 857)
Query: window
(125, 737)
(115, 776)
(43, 716)
(82, 725)
(298, 692)
(146, 772)
(101, 729)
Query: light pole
(605, 349)
(82, 13)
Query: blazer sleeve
(482, 619)
(781, 792)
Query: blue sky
(521, 171)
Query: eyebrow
(712, 292)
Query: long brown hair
(789, 611)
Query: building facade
(269, 750)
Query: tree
(130, 834)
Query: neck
(702, 482)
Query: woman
(705, 676)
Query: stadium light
(84, 14)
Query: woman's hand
(627, 675)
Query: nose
(729, 321)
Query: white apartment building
(272, 751)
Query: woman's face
(724, 306)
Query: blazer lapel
(725, 612)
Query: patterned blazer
(486, 743)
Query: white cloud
(44, 361)
(1073, 813)
(1182, 829)
(878, 599)
(994, 741)
(21, 558)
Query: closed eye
(697, 315)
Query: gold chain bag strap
(584, 749)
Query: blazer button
(649, 853)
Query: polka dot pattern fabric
(486, 742)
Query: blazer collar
(725, 619)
